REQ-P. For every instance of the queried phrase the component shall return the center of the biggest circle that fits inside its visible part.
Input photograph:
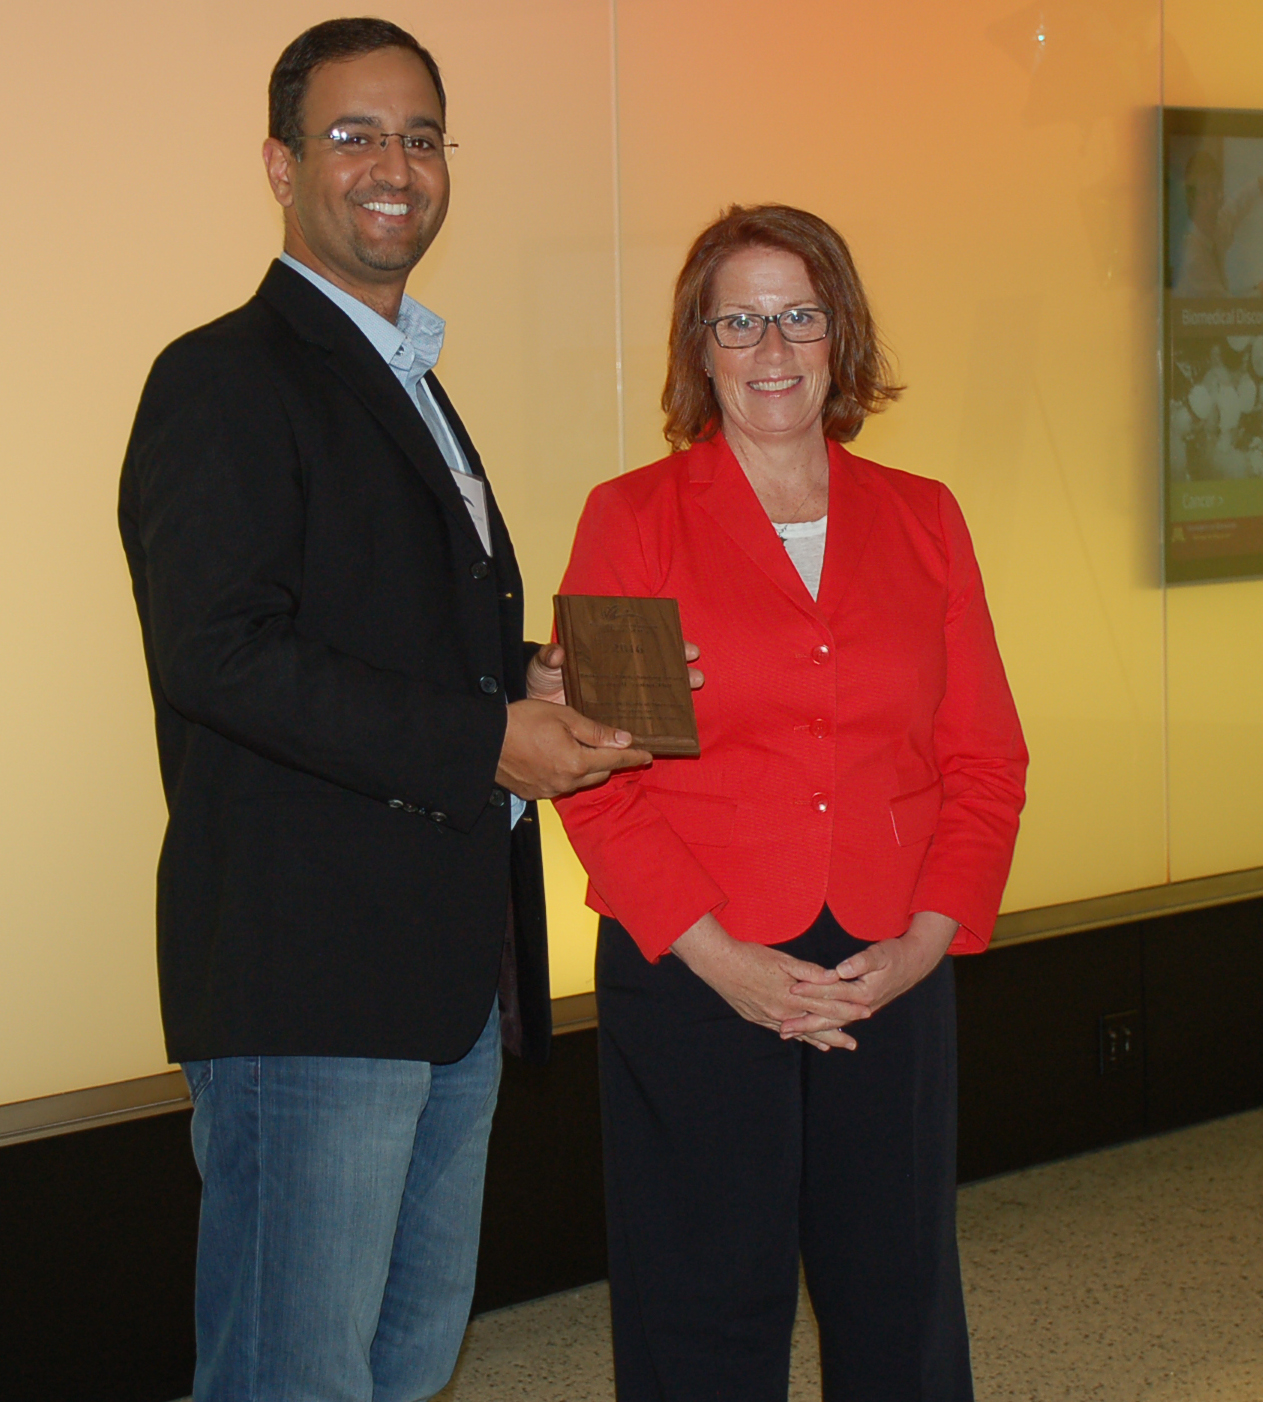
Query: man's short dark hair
(332, 42)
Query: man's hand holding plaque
(625, 665)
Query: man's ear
(279, 162)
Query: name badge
(473, 490)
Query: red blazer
(861, 750)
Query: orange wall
(161, 219)
(1000, 205)
(998, 192)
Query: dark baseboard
(1185, 993)
(543, 1217)
(97, 1238)
(98, 1228)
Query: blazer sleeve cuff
(449, 769)
(643, 874)
(653, 933)
(975, 912)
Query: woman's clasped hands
(807, 1001)
(770, 987)
(877, 975)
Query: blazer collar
(353, 358)
(724, 492)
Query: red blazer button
(820, 802)
(820, 654)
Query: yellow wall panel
(1216, 737)
(525, 274)
(1211, 52)
(997, 191)
(162, 221)
(1215, 631)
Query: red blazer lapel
(724, 492)
(852, 512)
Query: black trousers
(729, 1152)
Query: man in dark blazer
(350, 730)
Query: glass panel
(524, 274)
(181, 228)
(1215, 631)
(992, 167)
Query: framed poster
(1212, 165)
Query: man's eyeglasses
(361, 142)
(742, 330)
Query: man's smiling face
(363, 219)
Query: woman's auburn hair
(861, 381)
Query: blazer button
(820, 728)
(497, 799)
(489, 685)
(480, 569)
(437, 817)
(820, 802)
(820, 655)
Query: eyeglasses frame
(767, 321)
(444, 147)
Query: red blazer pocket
(915, 815)
(696, 818)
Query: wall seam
(1162, 440)
(619, 395)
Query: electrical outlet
(1119, 1041)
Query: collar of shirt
(411, 347)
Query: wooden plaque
(625, 667)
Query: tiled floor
(1130, 1275)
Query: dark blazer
(330, 653)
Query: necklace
(802, 501)
(779, 526)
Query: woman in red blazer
(850, 821)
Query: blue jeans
(341, 1200)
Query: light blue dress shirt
(411, 348)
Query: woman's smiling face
(775, 390)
